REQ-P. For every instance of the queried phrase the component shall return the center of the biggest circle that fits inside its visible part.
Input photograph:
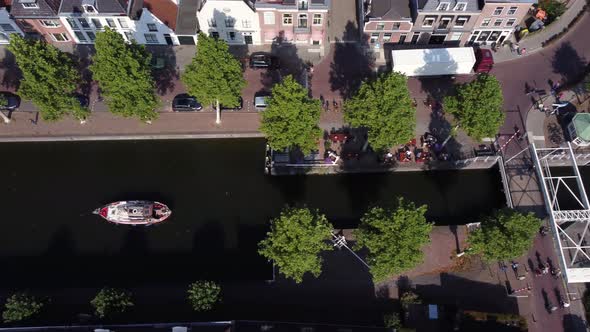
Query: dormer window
(89, 9)
(29, 3)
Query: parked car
(261, 102)
(9, 101)
(484, 61)
(186, 103)
(237, 108)
(263, 60)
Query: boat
(134, 212)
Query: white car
(261, 103)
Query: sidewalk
(533, 42)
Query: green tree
(477, 107)
(50, 78)
(203, 295)
(214, 76)
(553, 8)
(19, 307)
(111, 301)
(291, 118)
(392, 320)
(295, 242)
(504, 235)
(123, 73)
(394, 238)
(4, 102)
(409, 298)
(385, 108)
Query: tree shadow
(164, 67)
(83, 57)
(12, 74)
(351, 65)
(568, 63)
(574, 323)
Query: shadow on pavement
(574, 323)
(568, 63)
(11, 73)
(164, 68)
(351, 65)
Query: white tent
(433, 61)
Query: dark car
(263, 60)
(186, 103)
(237, 108)
(9, 101)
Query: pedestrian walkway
(534, 42)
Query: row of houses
(449, 22)
(167, 22)
(259, 22)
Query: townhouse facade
(497, 21)
(7, 25)
(236, 22)
(448, 22)
(39, 19)
(387, 21)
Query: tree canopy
(19, 307)
(477, 107)
(385, 108)
(111, 301)
(292, 117)
(124, 76)
(393, 238)
(504, 235)
(295, 242)
(203, 295)
(50, 78)
(214, 74)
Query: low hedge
(557, 36)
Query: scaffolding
(568, 208)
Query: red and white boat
(134, 212)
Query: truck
(442, 61)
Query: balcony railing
(302, 29)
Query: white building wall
(7, 26)
(128, 28)
(246, 26)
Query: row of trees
(392, 237)
(108, 302)
(51, 77)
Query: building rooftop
(432, 6)
(290, 3)
(45, 8)
(582, 124)
(389, 9)
(165, 10)
(102, 6)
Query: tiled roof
(47, 8)
(432, 5)
(102, 6)
(165, 10)
(390, 9)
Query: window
(231, 35)
(269, 18)
(460, 6)
(428, 22)
(485, 22)
(380, 26)
(483, 36)
(396, 26)
(443, 6)
(498, 11)
(89, 9)
(456, 36)
(315, 42)
(444, 23)
(80, 36)
(386, 37)
(152, 27)
(212, 23)
(402, 38)
(151, 38)
(510, 22)
(91, 35)
(460, 21)
(97, 24)
(84, 23)
(512, 10)
(60, 37)
(123, 23)
(287, 19)
(72, 23)
(230, 22)
(317, 19)
(302, 21)
(7, 27)
(30, 5)
(498, 22)
(215, 34)
(246, 24)
(50, 23)
(374, 37)
(415, 37)
(111, 23)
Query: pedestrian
(515, 266)
(513, 47)
(523, 51)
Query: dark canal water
(221, 200)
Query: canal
(221, 201)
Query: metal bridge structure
(568, 208)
